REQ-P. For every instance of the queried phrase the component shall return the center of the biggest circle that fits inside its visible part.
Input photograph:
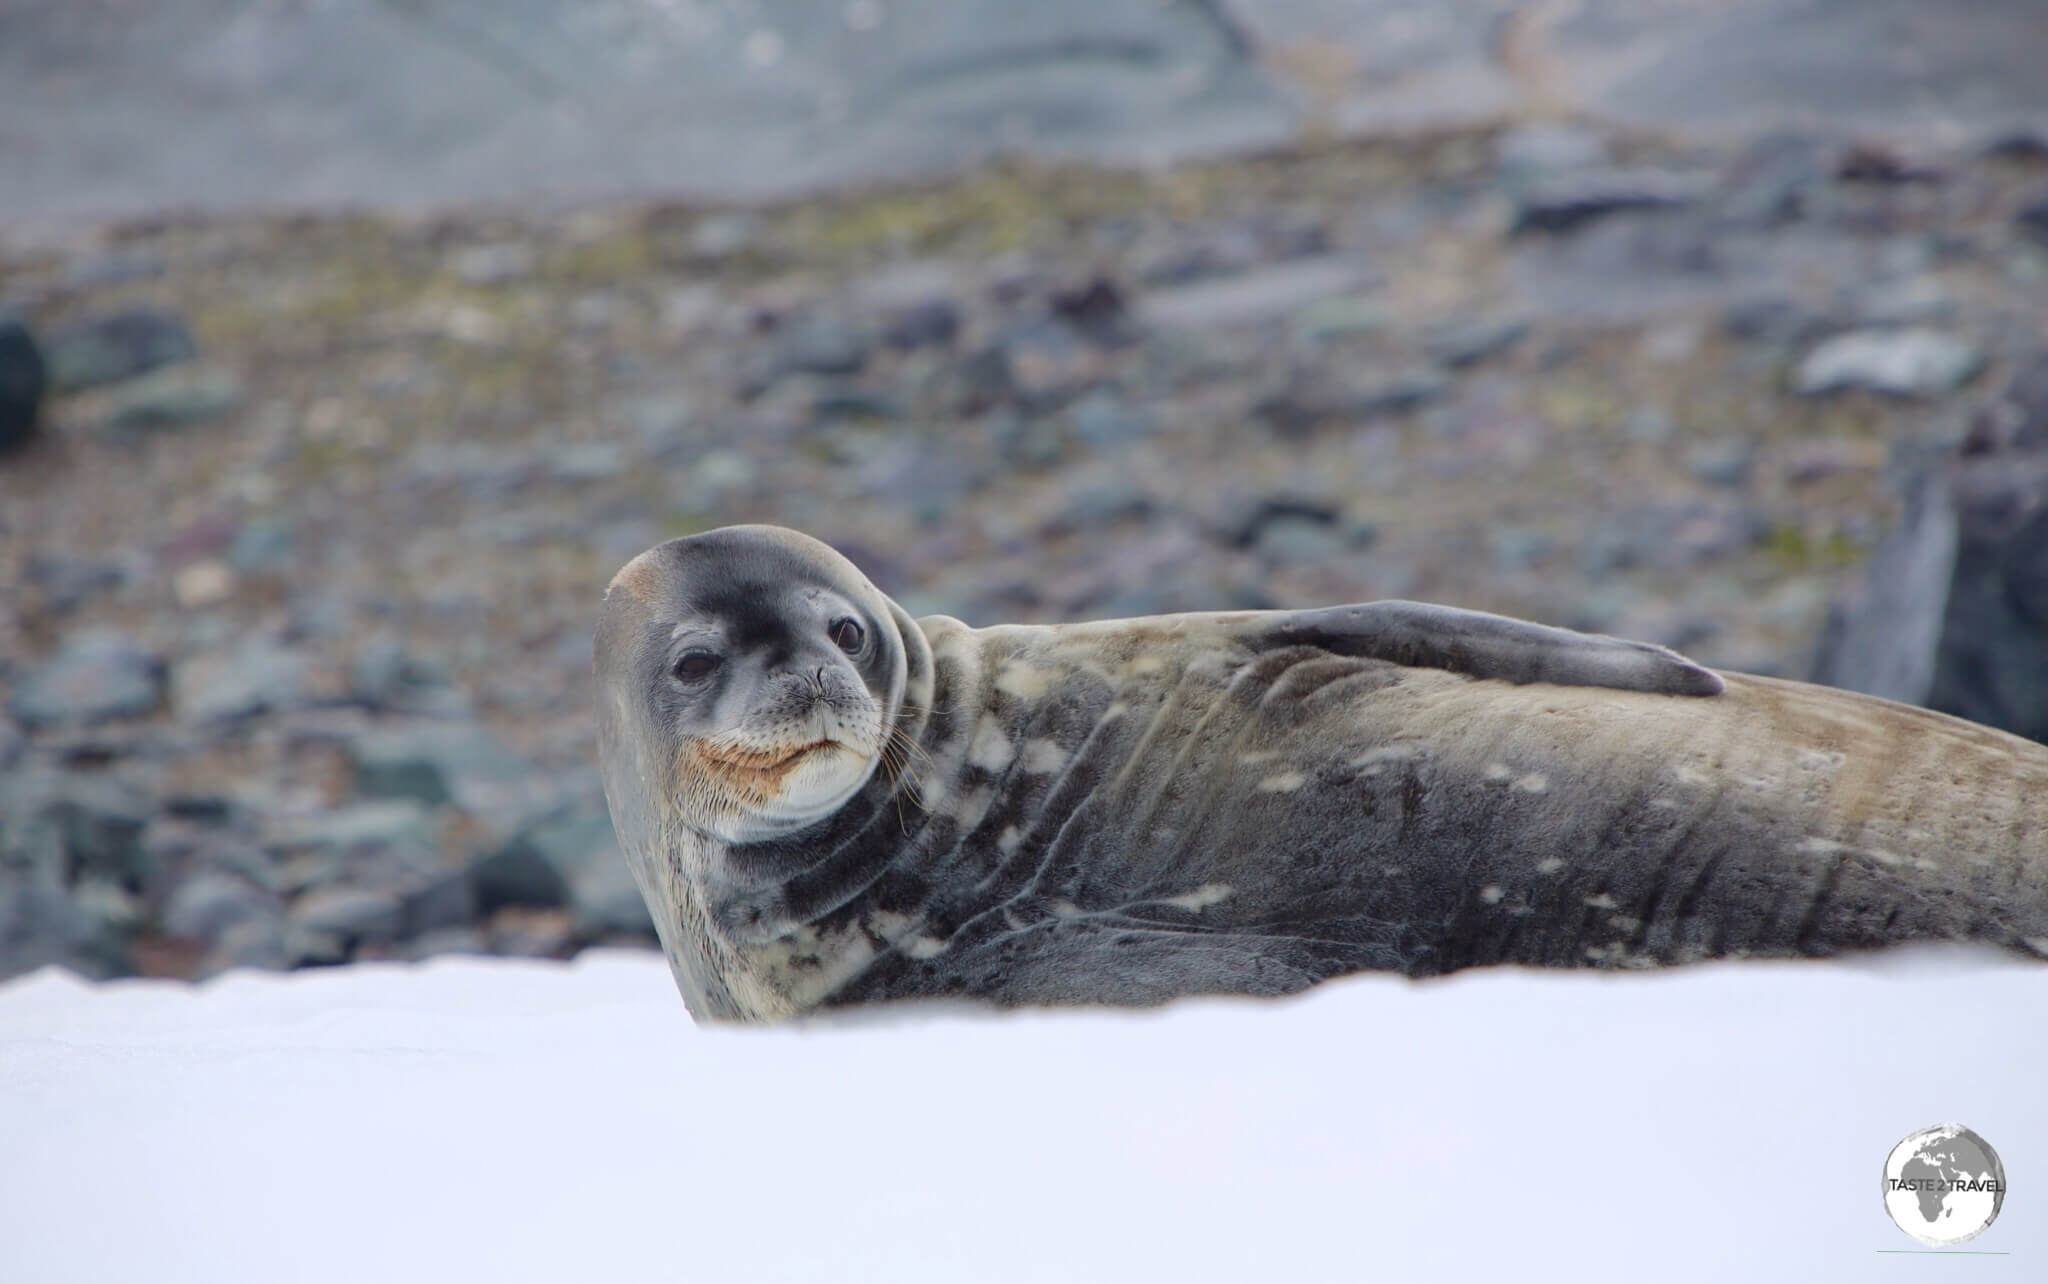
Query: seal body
(1128, 811)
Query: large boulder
(1952, 610)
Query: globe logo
(1943, 1185)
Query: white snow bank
(506, 1121)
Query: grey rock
(173, 397)
(360, 833)
(842, 399)
(1882, 631)
(929, 323)
(719, 236)
(1340, 317)
(1101, 417)
(925, 478)
(1527, 151)
(1774, 179)
(662, 422)
(93, 676)
(587, 461)
(979, 384)
(519, 874)
(2021, 146)
(352, 913)
(1952, 609)
(1096, 307)
(495, 264)
(431, 763)
(1308, 402)
(23, 379)
(446, 940)
(306, 946)
(1467, 342)
(1905, 362)
(86, 929)
(265, 944)
(90, 823)
(1240, 520)
(1301, 541)
(2032, 220)
(386, 677)
(1904, 301)
(67, 582)
(1725, 462)
(1567, 202)
(1517, 550)
(207, 904)
(261, 545)
(445, 900)
(568, 860)
(1773, 320)
(116, 346)
(532, 933)
(1042, 363)
(258, 676)
(1095, 507)
(1260, 294)
(820, 344)
(40, 925)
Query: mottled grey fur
(1126, 811)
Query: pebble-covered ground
(297, 580)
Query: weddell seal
(826, 802)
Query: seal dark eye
(847, 635)
(695, 666)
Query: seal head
(749, 676)
(748, 682)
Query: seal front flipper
(1483, 645)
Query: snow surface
(494, 1120)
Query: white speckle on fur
(1043, 757)
(1201, 898)
(1006, 842)
(1876, 855)
(1602, 901)
(1664, 804)
(991, 750)
(1116, 709)
(889, 925)
(1065, 909)
(1549, 865)
(1257, 756)
(1817, 759)
(1533, 783)
(1390, 871)
(1499, 771)
(1624, 922)
(1144, 664)
(1492, 893)
(2038, 944)
(1282, 782)
(972, 807)
(1022, 680)
(1375, 761)
(1686, 775)
(926, 947)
